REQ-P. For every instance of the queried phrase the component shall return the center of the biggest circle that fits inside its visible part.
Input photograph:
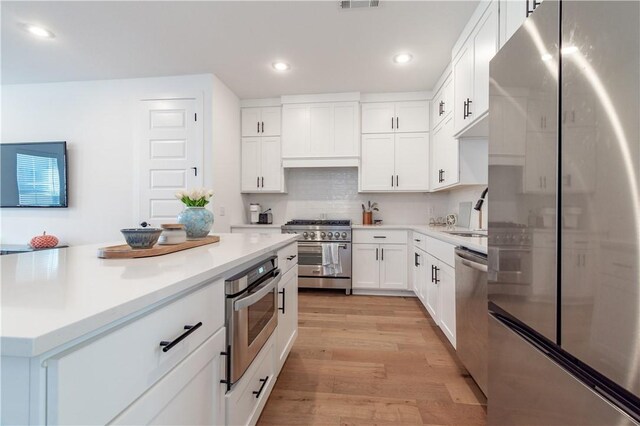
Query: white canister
(172, 233)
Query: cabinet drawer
(288, 257)
(369, 236)
(95, 382)
(441, 250)
(246, 400)
(420, 241)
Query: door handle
(469, 101)
(397, 123)
(258, 127)
(257, 181)
(263, 181)
(195, 171)
(263, 384)
(432, 273)
(382, 254)
(391, 123)
(166, 346)
(263, 127)
(464, 110)
(392, 181)
(376, 254)
(283, 299)
(437, 280)
(397, 181)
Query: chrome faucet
(478, 206)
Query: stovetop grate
(305, 222)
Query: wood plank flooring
(371, 360)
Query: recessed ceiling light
(281, 66)
(402, 58)
(569, 50)
(39, 31)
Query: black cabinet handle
(227, 381)
(379, 236)
(534, 3)
(166, 346)
(292, 257)
(469, 101)
(392, 181)
(262, 181)
(376, 254)
(382, 254)
(464, 110)
(391, 123)
(416, 262)
(263, 127)
(283, 299)
(258, 129)
(258, 182)
(432, 273)
(397, 181)
(397, 123)
(417, 241)
(263, 384)
(436, 269)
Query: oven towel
(331, 264)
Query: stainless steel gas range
(324, 253)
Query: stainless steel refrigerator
(564, 155)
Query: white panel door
(270, 164)
(462, 86)
(432, 298)
(447, 294)
(412, 116)
(250, 121)
(412, 161)
(171, 152)
(485, 46)
(321, 129)
(393, 267)
(346, 129)
(270, 118)
(378, 117)
(295, 131)
(366, 266)
(377, 163)
(251, 164)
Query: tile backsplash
(314, 193)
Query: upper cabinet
(262, 165)
(512, 14)
(471, 70)
(442, 104)
(325, 130)
(397, 162)
(261, 121)
(395, 117)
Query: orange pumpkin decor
(44, 241)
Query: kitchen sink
(474, 234)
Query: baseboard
(373, 292)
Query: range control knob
(344, 235)
(313, 235)
(305, 234)
(322, 235)
(330, 235)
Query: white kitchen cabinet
(445, 276)
(395, 117)
(393, 266)
(513, 13)
(419, 279)
(379, 266)
(441, 106)
(261, 121)
(287, 330)
(508, 130)
(320, 131)
(432, 298)
(262, 165)
(395, 162)
(444, 156)
(471, 70)
(190, 394)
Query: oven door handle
(260, 292)
(342, 246)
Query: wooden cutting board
(126, 252)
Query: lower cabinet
(287, 329)
(379, 266)
(190, 394)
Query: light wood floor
(371, 360)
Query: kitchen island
(81, 336)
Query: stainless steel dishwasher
(472, 314)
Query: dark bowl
(141, 238)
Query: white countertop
(478, 244)
(51, 297)
(256, 225)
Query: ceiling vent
(358, 4)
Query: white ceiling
(330, 50)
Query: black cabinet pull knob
(166, 346)
(283, 299)
(262, 385)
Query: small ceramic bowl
(141, 238)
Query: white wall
(97, 119)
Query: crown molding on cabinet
(396, 96)
(321, 97)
